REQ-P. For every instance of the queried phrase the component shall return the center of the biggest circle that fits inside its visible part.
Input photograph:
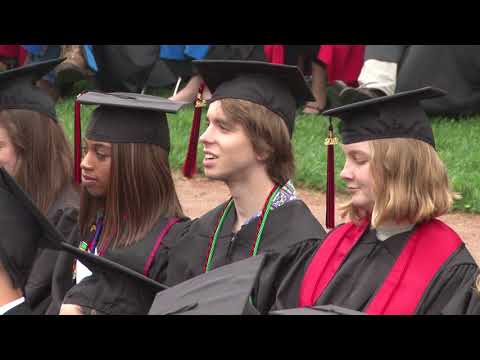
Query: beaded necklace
(260, 227)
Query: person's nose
(87, 162)
(207, 136)
(346, 174)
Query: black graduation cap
(223, 291)
(129, 118)
(124, 118)
(396, 116)
(318, 310)
(23, 230)
(280, 88)
(113, 289)
(18, 89)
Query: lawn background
(456, 142)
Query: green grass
(455, 144)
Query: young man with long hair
(247, 146)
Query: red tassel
(330, 210)
(190, 165)
(77, 144)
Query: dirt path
(200, 195)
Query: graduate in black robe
(213, 52)
(291, 230)
(23, 231)
(400, 68)
(253, 156)
(356, 282)
(124, 67)
(44, 162)
(396, 257)
(90, 292)
(128, 201)
(454, 68)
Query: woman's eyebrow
(101, 147)
(357, 152)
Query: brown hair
(268, 134)
(45, 160)
(410, 183)
(141, 190)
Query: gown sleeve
(453, 291)
(466, 300)
(111, 293)
(162, 258)
(63, 275)
(279, 282)
(39, 284)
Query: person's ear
(263, 155)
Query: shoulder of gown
(111, 294)
(279, 281)
(452, 291)
(175, 236)
(39, 283)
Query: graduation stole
(260, 226)
(95, 232)
(426, 251)
(90, 245)
(163, 234)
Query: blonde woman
(394, 256)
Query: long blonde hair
(410, 183)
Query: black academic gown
(21, 309)
(454, 68)
(290, 230)
(63, 214)
(124, 67)
(99, 291)
(363, 271)
(236, 52)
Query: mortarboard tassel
(190, 164)
(330, 142)
(77, 144)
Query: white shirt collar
(386, 232)
(11, 305)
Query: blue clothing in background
(183, 52)
(37, 53)
(90, 58)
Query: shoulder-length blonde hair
(410, 183)
(44, 156)
(141, 190)
(268, 134)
